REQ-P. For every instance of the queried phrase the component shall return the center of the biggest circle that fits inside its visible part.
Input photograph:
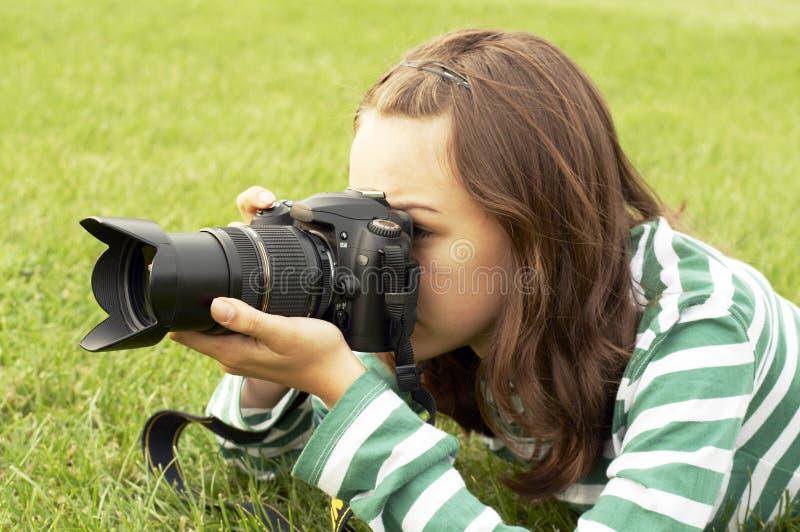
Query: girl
(643, 376)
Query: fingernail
(265, 198)
(222, 310)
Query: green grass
(167, 110)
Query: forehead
(404, 157)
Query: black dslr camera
(342, 257)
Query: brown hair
(533, 143)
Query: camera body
(354, 235)
(343, 257)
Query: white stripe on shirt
(676, 507)
(693, 358)
(637, 263)
(744, 273)
(670, 276)
(721, 298)
(418, 443)
(625, 393)
(760, 286)
(788, 436)
(765, 466)
(585, 525)
(645, 339)
(705, 356)
(486, 521)
(793, 487)
(376, 525)
(710, 457)
(431, 499)
(425, 438)
(692, 410)
(367, 422)
(782, 384)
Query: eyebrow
(408, 206)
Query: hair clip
(442, 70)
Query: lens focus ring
(291, 256)
(252, 288)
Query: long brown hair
(533, 143)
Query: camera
(345, 257)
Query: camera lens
(283, 270)
(151, 282)
(148, 254)
(137, 285)
(267, 267)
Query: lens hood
(130, 323)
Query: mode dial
(385, 228)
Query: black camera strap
(160, 438)
(162, 431)
(400, 298)
(401, 306)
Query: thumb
(240, 317)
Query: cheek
(459, 295)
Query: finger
(276, 332)
(252, 199)
(236, 224)
(204, 343)
(235, 352)
(248, 202)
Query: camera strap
(162, 431)
(160, 438)
(401, 306)
(400, 296)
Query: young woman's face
(464, 255)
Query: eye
(420, 233)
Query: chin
(426, 351)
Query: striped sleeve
(395, 470)
(684, 414)
(290, 428)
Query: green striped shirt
(706, 427)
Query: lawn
(167, 110)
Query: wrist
(257, 393)
(337, 383)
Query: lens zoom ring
(289, 269)
(253, 282)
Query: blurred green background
(167, 110)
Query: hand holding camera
(303, 353)
(275, 352)
(304, 283)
